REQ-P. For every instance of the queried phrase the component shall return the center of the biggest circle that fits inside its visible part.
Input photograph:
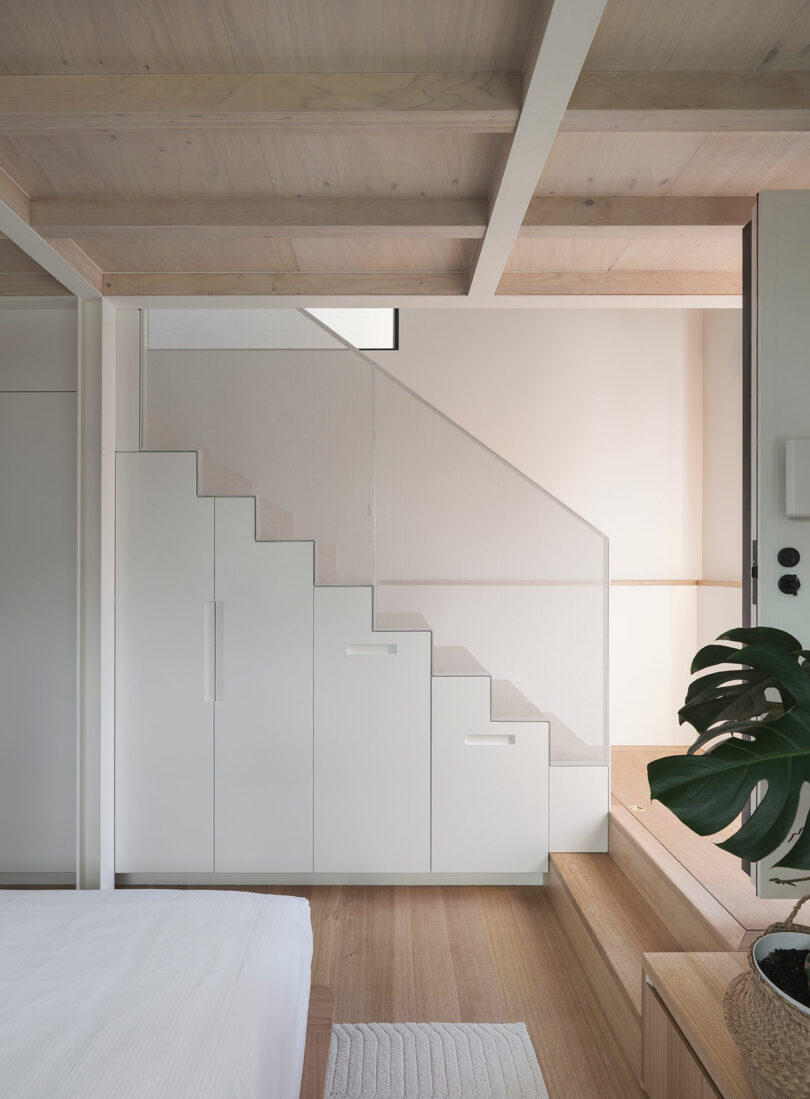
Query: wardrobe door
(37, 634)
(164, 753)
(372, 740)
(263, 718)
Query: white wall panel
(263, 713)
(37, 631)
(38, 346)
(372, 741)
(164, 724)
(578, 806)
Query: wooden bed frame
(319, 1035)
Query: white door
(164, 765)
(263, 713)
(372, 740)
(37, 632)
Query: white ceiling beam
(471, 102)
(64, 260)
(690, 101)
(567, 36)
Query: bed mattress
(151, 993)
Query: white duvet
(142, 993)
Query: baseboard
(328, 879)
(56, 878)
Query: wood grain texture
(621, 282)
(251, 36)
(638, 254)
(725, 34)
(690, 101)
(466, 954)
(691, 988)
(33, 284)
(633, 216)
(480, 102)
(319, 1036)
(325, 217)
(286, 283)
(698, 920)
(669, 1069)
(254, 165)
(719, 872)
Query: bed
(151, 993)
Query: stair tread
(619, 920)
(394, 620)
(455, 660)
(510, 704)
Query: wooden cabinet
(372, 740)
(490, 784)
(688, 1052)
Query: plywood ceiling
(380, 165)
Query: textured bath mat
(433, 1061)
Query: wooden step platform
(610, 926)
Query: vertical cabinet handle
(209, 651)
(213, 650)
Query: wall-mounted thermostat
(797, 478)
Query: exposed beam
(690, 101)
(30, 284)
(562, 216)
(621, 282)
(238, 217)
(65, 261)
(567, 35)
(475, 102)
(287, 283)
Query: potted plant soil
(750, 707)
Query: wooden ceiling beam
(560, 54)
(690, 101)
(293, 283)
(636, 216)
(277, 217)
(471, 102)
(621, 282)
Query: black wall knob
(788, 557)
(789, 584)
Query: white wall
(720, 600)
(603, 408)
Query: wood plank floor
(718, 871)
(467, 954)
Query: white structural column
(96, 609)
(566, 39)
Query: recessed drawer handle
(371, 650)
(490, 740)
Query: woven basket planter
(772, 1035)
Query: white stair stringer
(489, 784)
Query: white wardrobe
(262, 727)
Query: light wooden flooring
(467, 954)
(718, 871)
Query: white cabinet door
(490, 784)
(164, 733)
(263, 713)
(372, 740)
(37, 632)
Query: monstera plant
(753, 726)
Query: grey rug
(433, 1061)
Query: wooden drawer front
(670, 1068)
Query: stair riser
(625, 1021)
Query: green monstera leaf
(765, 696)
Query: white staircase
(320, 744)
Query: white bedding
(151, 993)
